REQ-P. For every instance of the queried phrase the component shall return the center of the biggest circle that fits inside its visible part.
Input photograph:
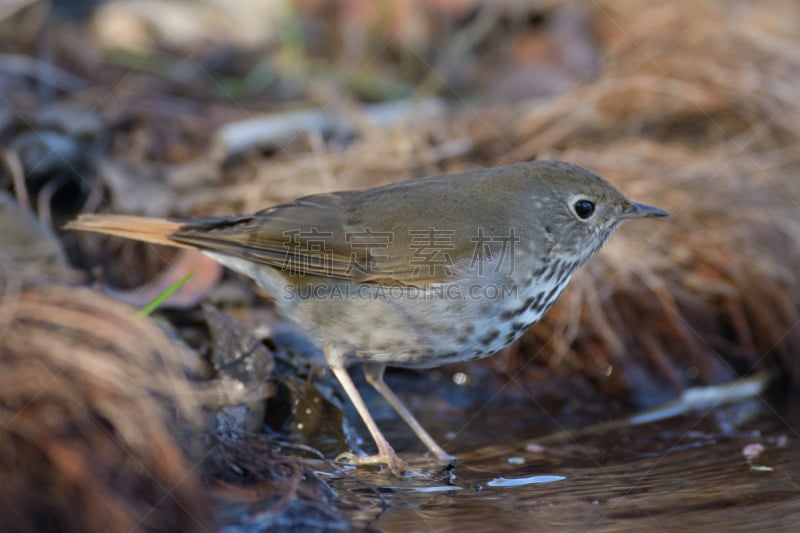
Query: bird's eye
(583, 208)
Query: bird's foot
(395, 465)
(451, 461)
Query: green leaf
(161, 298)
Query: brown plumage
(418, 274)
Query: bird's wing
(321, 235)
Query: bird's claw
(396, 465)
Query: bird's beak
(636, 210)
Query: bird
(413, 274)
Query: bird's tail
(154, 230)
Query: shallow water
(731, 468)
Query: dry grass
(705, 126)
(90, 397)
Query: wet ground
(730, 468)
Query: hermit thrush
(414, 274)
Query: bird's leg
(374, 375)
(386, 454)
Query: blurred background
(205, 107)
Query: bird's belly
(412, 327)
(409, 326)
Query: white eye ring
(582, 207)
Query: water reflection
(734, 468)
